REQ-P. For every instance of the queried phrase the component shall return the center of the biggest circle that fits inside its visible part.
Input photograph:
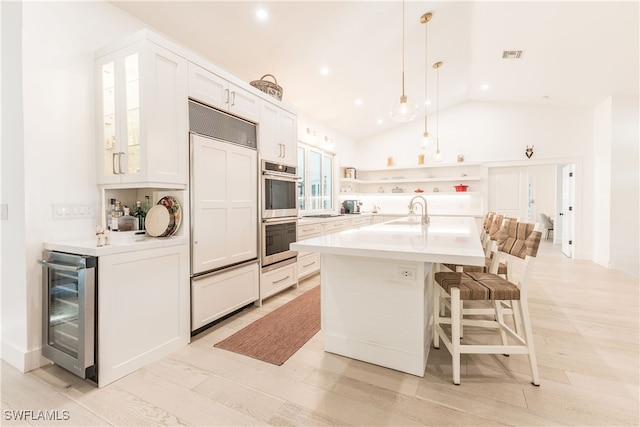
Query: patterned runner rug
(276, 336)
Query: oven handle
(279, 220)
(63, 267)
(286, 176)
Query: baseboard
(23, 361)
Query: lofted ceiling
(574, 52)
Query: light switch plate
(4, 212)
(72, 211)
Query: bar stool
(516, 241)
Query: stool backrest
(520, 239)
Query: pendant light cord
(403, 48)
(426, 69)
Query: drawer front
(359, 222)
(276, 280)
(308, 264)
(307, 231)
(335, 226)
(220, 294)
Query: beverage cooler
(70, 312)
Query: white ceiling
(575, 52)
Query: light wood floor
(586, 324)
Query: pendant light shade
(405, 109)
(437, 157)
(426, 138)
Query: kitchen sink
(322, 215)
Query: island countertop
(444, 240)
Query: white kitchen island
(377, 286)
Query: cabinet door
(243, 103)
(270, 149)
(208, 88)
(119, 132)
(165, 139)
(225, 204)
(288, 136)
(143, 308)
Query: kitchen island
(377, 286)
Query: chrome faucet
(425, 216)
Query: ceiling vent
(512, 54)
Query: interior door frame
(579, 205)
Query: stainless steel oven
(277, 235)
(69, 312)
(279, 184)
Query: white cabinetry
(143, 312)
(277, 134)
(213, 90)
(335, 226)
(219, 294)
(141, 93)
(360, 221)
(274, 281)
(308, 263)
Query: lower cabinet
(218, 294)
(276, 280)
(308, 264)
(143, 308)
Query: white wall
(625, 177)
(58, 40)
(487, 132)
(602, 184)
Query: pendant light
(437, 157)
(405, 110)
(426, 138)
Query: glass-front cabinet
(142, 115)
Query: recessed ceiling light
(380, 121)
(484, 87)
(324, 71)
(262, 14)
(427, 102)
(358, 102)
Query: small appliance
(351, 206)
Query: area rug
(278, 335)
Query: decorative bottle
(117, 213)
(140, 214)
(126, 222)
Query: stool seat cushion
(469, 288)
(478, 286)
(499, 288)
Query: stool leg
(436, 315)
(497, 306)
(455, 334)
(528, 333)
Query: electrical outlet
(4, 211)
(407, 273)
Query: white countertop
(445, 240)
(119, 243)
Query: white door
(508, 191)
(224, 190)
(567, 213)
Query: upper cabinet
(142, 116)
(213, 90)
(277, 134)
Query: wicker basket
(270, 88)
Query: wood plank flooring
(586, 325)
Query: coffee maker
(351, 206)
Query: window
(315, 188)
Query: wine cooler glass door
(69, 325)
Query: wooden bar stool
(516, 241)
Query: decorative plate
(157, 220)
(175, 212)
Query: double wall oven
(279, 213)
